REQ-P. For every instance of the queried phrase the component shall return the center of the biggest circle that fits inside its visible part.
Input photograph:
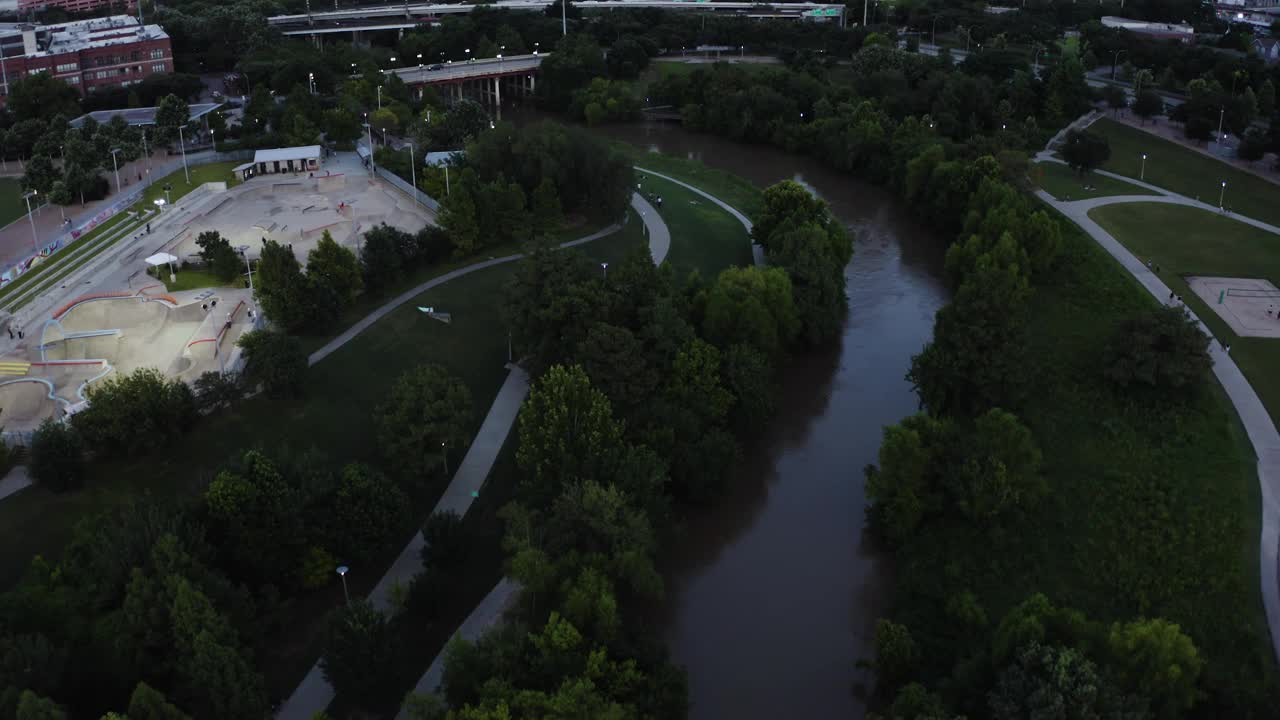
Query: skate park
(296, 210)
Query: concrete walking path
(659, 234)
(15, 480)
(757, 252)
(1253, 415)
(314, 693)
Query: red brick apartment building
(85, 54)
(25, 7)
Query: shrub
(1162, 348)
(133, 414)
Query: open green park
(1186, 241)
(1064, 183)
(1187, 172)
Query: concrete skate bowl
(27, 402)
(128, 333)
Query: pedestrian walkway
(314, 693)
(655, 227)
(1257, 423)
(15, 480)
(757, 252)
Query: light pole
(1222, 114)
(468, 50)
(535, 49)
(419, 61)
(244, 253)
(182, 145)
(604, 266)
(342, 573)
(1115, 57)
(564, 21)
(933, 33)
(1222, 195)
(35, 240)
(1035, 62)
(1142, 175)
(384, 137)
(213, 135)
(369, 129)
(446, 179)
(444, 454)
(116, 167)
(413, 170)
(379, 97)
(311, 82)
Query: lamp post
(182, 145)
(1035, 62)
(446, 179)
(535, 49)
(379, 97)
(444, 455)
(384, 137)
(1222, 114)
(468, 50)
(116, 167)
(35, 240)
(413, 170)
(604, 267)
(311, 82)
(933, 32)
(244, 253)
(369, 129)
(1142, 174)
(213, 135)
(342, 573)
(419, 61)
(1222, 195)
(1115, 57)
(564, 19)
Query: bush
(57, 456)
(360, 657)
(216, 390)
(1162, 348)
(275, 360)
(133, 414)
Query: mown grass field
(1063, 183)
(1188, 172)
(704, 237)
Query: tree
(383, 120)
(1148, 104)
(361, 657)
(1115, 97)
(336, 268)
(340, 126)
(276, 361)
(546, 214)
(33, 707)
(1056, 682)
(1253, 146)
(567, 433)
(429, 413)
(60, 194)
(1084, 150)
(1157, 660)
(171, 113)
(57, 456)
(136, 413)
(218, 255)
(901, 488)
(381, 258)
(1001, 471)
(1267, 99)
(40, 95)
(147, 703)
(368, 514)
(39, 175)
(282, 290)
(895, 651)
(748, 376)
(217, 390)
(463, 122)
(1162, 348)
(753, 306)
(459, 218)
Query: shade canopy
(161, 259)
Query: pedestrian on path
(10, 332)
(1171, 297)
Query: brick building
(114, 51)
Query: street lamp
(183, 146)
(213, 135)
(342, 573)
(413, 170)
(1222, 195)
(35, 239)
(311, 82)
(604, 266)
(419, 61)
(1142, 175)
(468, 51)
(244, 253)
(444, 454)
(535, 49)
(116, 167)
(1115, 57)
(384, 137)
(379, 97)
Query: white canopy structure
(164, 259)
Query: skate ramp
(26, 403)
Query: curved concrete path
(314, 693)
(757, 252)
(1253, 415)
(655, 228)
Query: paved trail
(757, 252)
(1253, 415)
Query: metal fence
(407, 189)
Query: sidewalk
(757, 252)
(655, 227)
(15, 238)
(314, 693)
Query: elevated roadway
(400, 17)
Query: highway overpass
(374, 18)
(484, 79)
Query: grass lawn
(1153, 508)
(12, 206)
(703, 236)
(193, 280)
(200, 174)
(1187, 241)
(1062, 182)
(1188, 172)
(735, 190)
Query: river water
(773, 592)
